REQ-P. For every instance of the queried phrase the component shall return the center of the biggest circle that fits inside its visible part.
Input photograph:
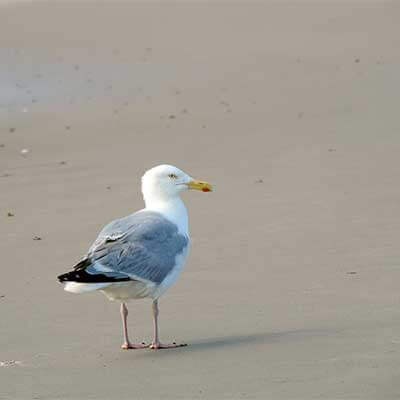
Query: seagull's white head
(165, 182)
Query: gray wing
(142, 246)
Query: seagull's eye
(172, 176)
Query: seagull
(141, 255)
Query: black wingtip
(82, 276)
(64, 277)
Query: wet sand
(291, 108)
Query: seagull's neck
(171, 208)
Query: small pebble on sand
(9, 363)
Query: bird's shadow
(256, 338)
(232, 341)
(235, 341)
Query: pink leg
(156, 343)
(127, 344)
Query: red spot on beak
(206, 190)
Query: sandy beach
(291, 109)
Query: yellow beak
(200, 185)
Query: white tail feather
(76, 287)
